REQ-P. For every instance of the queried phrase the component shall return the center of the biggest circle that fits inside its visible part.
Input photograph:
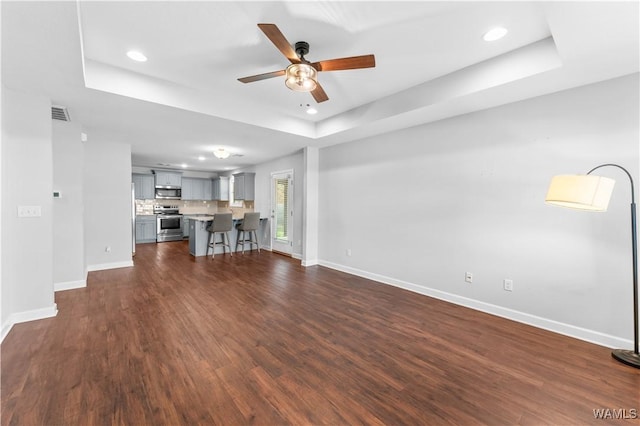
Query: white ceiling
(431, 63)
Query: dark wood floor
(258, 339)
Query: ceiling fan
(301, 75)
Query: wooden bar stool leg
(255, 235)
(226, 235)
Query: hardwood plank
(258, 339)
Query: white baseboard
(105, 266)
(69, 285)
(311, 262)
(522, 317)
(25, 316)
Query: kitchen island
(199, 236)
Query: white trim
(69, 285)
(311, 262)
(290, 212)
(25, 316)
(297, 256)
(104, 266)
(522, 317)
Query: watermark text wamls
(616, 413)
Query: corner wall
(418, 208)
(107, 200)
(27, 242)
(68, 211)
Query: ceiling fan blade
(259, 77)
(273, 33)
(350, 63)
(318, 94)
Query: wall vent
(59, 113)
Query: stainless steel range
(169, 223)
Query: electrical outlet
(107, 249)
(468, 277)
(507, 284)
(348, 252)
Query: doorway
(282, 211)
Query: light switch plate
(29, 211)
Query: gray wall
(107, 213)
(69, 269)
(38, 156)
(420, 207)
(27, 242)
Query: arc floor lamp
(590, 192)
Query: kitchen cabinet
(185, 227)
(198, 237)
(187, 189)
(144, 186)
(196, 189)
(146, 229)
(244, 186)
(168, 179)
(220, 190)
(207, 186)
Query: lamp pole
(631, 358)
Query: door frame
(290, 204)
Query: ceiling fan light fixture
(221, 153)
(301, 77)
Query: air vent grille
(60, 113)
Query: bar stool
(249, 225)
(222, 224)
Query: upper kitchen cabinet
(168, 179)
(221, 188)
(143, 186)
(207, 187)
(244, 186)
(196, 189)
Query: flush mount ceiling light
(495, 34)
(301, 77)
(136, 56)
(221, 153)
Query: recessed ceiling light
(495, 34)
(136, 56)
(201, 158)
(184, 166)
(309, 109)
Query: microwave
(168, 193)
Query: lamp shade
(301, 77)
(582, 192)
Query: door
(282, 211)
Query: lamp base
(626, 357)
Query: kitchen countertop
(207, 218)
(200, 217)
